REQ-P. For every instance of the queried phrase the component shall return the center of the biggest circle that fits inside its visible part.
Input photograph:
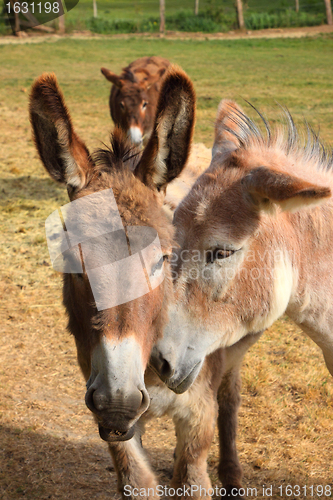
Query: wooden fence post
(239, 8)
(196, 7)
(95, 8)
(61, 18)
(328, 12)
(162, 17)
(17, 28)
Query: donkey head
(133, 102)
(234, 268)
(114, 291)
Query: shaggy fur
(134, 93)
(138, 183)
(263, 214)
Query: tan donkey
(114, 343)
(255, 241)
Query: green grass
(282, 19)
(297, 73)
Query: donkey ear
(167, 150)
(62, 152)
(157, 80)
(266, 186)
(112, 77)
(228, 129)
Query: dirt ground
(307, 31)
(50, 447)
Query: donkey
(114, 344)
(134, 96)
(254, 237)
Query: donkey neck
(310, 304)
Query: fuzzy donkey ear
(62, 152)
(112, 77)
(266, 186)
(230, 120)
(168, 148)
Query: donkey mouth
(111, 435)
(181, 386)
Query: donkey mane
(119, 152)
(129, 75)
(303, 145)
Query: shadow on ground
(28, 187)
(37, 466)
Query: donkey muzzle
(116, 413)
(177, 379)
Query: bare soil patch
(306, 31)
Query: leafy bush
(285, 19)
(104, 26)
(207, 21)
(5, 28)
(210, 20)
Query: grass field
(49, 445)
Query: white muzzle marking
(135, 134)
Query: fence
(132, 16)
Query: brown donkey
(254, 237)
(134, 96)
(114, 344)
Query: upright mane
(129, 75)
(302, 144)
(120, 152)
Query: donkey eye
(78, 276)
(218, 254)
(122, 105)
(144, 104)
(159, 264)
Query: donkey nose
(162, 366)
(98, 401)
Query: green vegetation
(296, 73)
(137, 16)
(214, 15)
(284, 19)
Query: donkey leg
(194, 431)
(328, 356)
(195, 420)
(135, 477)
(230, 469)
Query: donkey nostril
(166, 369)
(95, 400)
(145, 400)
(89, 399)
